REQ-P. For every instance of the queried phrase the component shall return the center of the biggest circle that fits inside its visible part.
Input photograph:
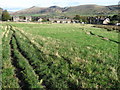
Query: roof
(59, 19)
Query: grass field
(0, 54)
(58, 56)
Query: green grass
(26, 71)
(65, 56)
(0, 53)
(75, 34)
(8, 71)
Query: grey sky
(21, 4)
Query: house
(118, 24)
(83, 22)
(76, 21)
(15, 18)
(106, 21)
(22, 18)
(68, 20)
(60, 20)
(28, 18)
(40, 20)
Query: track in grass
(102, 37)
(30, 60)
(23, 71)
(40, 58)
(17, 69)
(9, 79)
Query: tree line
(5, 16)
(97, 19)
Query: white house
(28, 18)
(40, 20)
(106, 21)
(16, 18)
(118, 24)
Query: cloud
(9, 4)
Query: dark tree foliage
(81, 18)
(5, 16)
(115, 17)
(77, 17)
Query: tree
(77, 17)
(115, 17)
(0, 13)
(5, 16)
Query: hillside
(114, 7)
(31, 10)
(52, 9)
(88, 10)
(1, 11)
(70, 11)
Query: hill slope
(1, 11)
(88, 10)
(70, 11)
(31, 10)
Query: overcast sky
(13, 5)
